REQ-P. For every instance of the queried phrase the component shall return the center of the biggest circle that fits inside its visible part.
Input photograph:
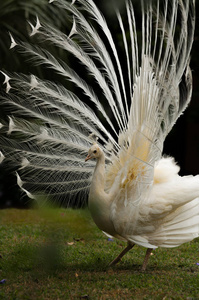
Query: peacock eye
(95, 151)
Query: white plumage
(135, 194)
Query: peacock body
(135, 194)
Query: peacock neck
(98, 180)
(99, 201)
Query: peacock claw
(119, 257)
(114, 262)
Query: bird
(103, 138)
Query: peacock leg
(119, 257)
(148, 253)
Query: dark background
(183, 141)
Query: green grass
(60, 254)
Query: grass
(60, 254)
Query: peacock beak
(87, 157)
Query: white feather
(8, 87)
(20, 184)
(7, 78)
(11, 126)
(24, 163)
(73, 29)
(35, 28)
(33, 83)
(13, 43)
(1, 157)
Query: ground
(61, 254)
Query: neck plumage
(98, 180)
(99, 201)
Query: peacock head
(94, 152)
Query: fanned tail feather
(49, 126)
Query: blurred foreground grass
(60, 254)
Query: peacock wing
(161, 91)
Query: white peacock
(135, 193)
